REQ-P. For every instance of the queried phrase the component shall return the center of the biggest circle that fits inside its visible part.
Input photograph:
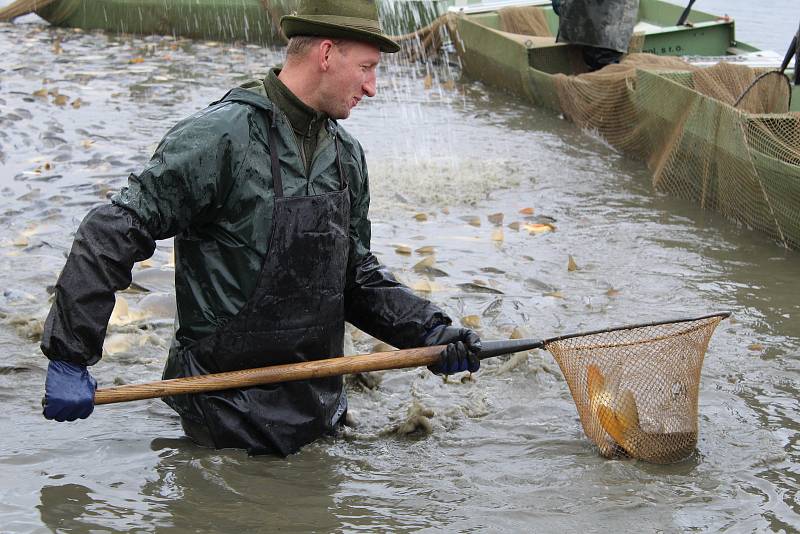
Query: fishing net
(21, 8)
(424, 43)
(524, 20)
(636, 387)
(721, 136)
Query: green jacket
(209, 185)
(220, 201)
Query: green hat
(339, 19)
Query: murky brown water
(506, 452)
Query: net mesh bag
(20, 8)
(636, 387)
(424, 43)
(721, 136)
(525, 20)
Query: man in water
(603, 27)
(267, 197)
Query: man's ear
(325, 52)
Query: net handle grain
(270, 375)
(377, 361)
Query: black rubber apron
(296, 314)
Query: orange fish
(618, 415)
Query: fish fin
(595, 382)
(628, 411)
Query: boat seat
(531, 41)
(546, 55)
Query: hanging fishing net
(636, 387)
(707, 134)
(721, 136)
(20, 8)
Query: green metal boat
(682, 118)
(252, 21)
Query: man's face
(350, 76)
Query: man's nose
(370, 86)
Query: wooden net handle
(361, 363)
(377, 361)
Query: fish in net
(636, 387)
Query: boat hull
(743, 165)
(251, 21)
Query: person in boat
(603, 27)
(267, 198)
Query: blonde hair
(299, 45)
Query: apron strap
(342, 177)
(277, 179)
(244, 96)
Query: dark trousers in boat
(596, 58)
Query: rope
(22, 7)
(424, 42)
(275, 13)
(761, 77)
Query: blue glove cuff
(69, 391)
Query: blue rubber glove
(461, 353)
(68, 391)
(557, 7)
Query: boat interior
(704, 39)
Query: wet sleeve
(186, 180)
(107, 244)
(375, 301)
(190, 171)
